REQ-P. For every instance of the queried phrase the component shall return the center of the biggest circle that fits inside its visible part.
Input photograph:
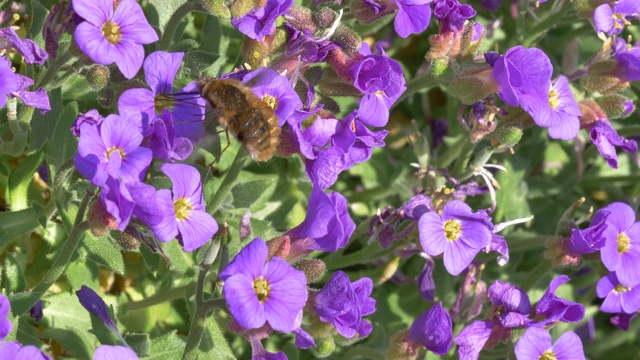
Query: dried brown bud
(100, 220)
(313, 268)
(279, 246)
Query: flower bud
(279, 42)
(616, 106)
(508, 135)
(334, 85)
(300, 18)
(245, 225)
(473, 84)
(591, 112)
(602, 78)
(279, 246)
(313, 268)
(347, 38)
(129, 240)
(587, 7)
(98, 76)
(325, 17)
(558, 253)
(254, 51)
(325, 347)
(399, 348)
(100, 220)
(240, 8)
(366, 13)
(216, 8)
(105, 97)
(443, 46)
(440, 68)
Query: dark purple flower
(356, 140)
(536, 344)
(459, 233)
(472, 339)
(415, 207)
(492, 5)
(558, 309)
(433, 330)
(628, 62)
(261, 22)
(109, 352)
(621, 250)
(611, 21)
(510, 298)
(308, 47)
(623, 320)
(562, 114)
(5, 324)
(164, 142)
(605, 138)
(257, 292)
(35, 312)
(327, 224)
(617, 297)
(451, 15)
(111, 149)
(426, 285)
(92, 117)
(439, 129)
(94, 304)
(111, 35)
(590, 239)
(12, 350)
(524, 78)
(143, 106)
(58, 22)
(343, 304)
(381, 81)
(276, 90)
(413, 17)
(184, 215)
(8, 81)
(29, 50)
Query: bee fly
(250, 119)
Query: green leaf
(20, 302)
(63, 144)
(19, 181)
(27, 334)
(168, 346)
(41, 125)
(247, 193)
(14, 223)
(179, 260)
(163, 10)
(80, 273)
(104, 251)
(197, 61)
(140, 343)
(77, 342)
(37, 14)
(39, 210)
(14, 280)
(213, 344)
(512, 196)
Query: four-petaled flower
(621, 250)
(535, 344)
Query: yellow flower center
(452, 230)
(183, 208)
(617, 25)
(261, 287)
(273, 103)
(380, 92)
(111, 31)
(621, 289)
(113, 149)
(548, 355)
(161, 102)
(623, 243)
(553, 98)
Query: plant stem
(229, 180)
(163, 296)
(533, 242)
(366, 254)
(174, 21)
(462, 161)
(423, 82)
(52, 70)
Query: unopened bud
(105, 97)
(254, 51)
(300, 18)
(558, 254)
(347, 38)
(468, 46)
(508, 135)
(334, 85)
(518, 117)
(480, 130)
(325, 17)
(473, 84)
(365, 13)
(279, 42)
(587, 7)
(325, 347)
(245, 225)
(445, 46)
(98, 76)
(240, 8)
(389, 270)
(100, 220)
(591, 112)
(129, 240)
(328, 103)
(313, 269)
(616, 106)
(279, 246)
(216, 8)
(603, 78)
(399, 347)
(440, 68)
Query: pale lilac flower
(612, 21)
(536, 344)
(109, 352)
(261, 22)
(562, 113)
(12, 350)
(8, 81)
(621, 250)
(617, 297)
(5, 324)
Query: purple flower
(12, 350)
(510, 298)
(308, 47)
(29, 50)
(556, 308)
(459, 233)
(611, 21)
(492, 5)
(604, 136)
(111, 35)
(621, 250)
(524, 78)
(8, 81)
(35, 312)
(143, 105)
(109, 352)
(617, 297)
(184, 215)
(123, 200)
(381, 81)
(111, 149)
(536, 344)
(590, 239)
(92, 117)
(623, 320)
(5, 324)
(562, 114)
(37, 99)
(451, 15)
(327, 224)
(276, 90)
(628, 61)
(257, 292)
(261, 22)
(94, 304)
(433, 330)
(258, 352)
(472, 294)
(343, 304)
(472, 338)
(413, 17)
(164, 142)
(426, 285)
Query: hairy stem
(228, 182)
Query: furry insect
(250, 119)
